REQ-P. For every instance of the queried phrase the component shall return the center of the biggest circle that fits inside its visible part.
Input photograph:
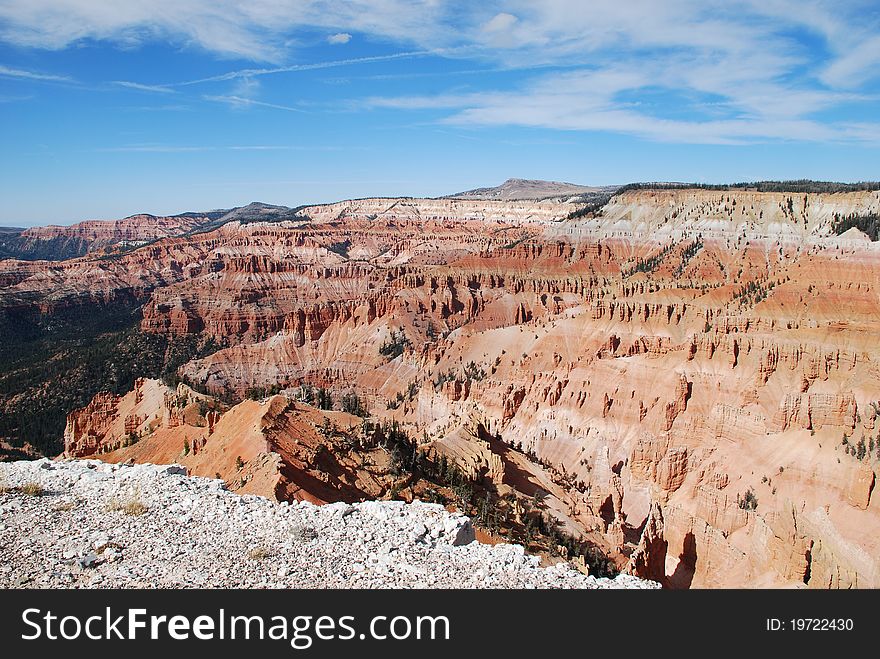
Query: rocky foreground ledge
(88, 524)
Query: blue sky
(113, 108)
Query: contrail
(249, 73)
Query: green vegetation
(867, 224)
(411, 392)
(649, 264)
(324, 399)
(51, 249)
(594, 207)
(352, 404)
(395, 344)
(341, 248)
(442, 377)
(748, 501)
(797, 186)
(51, 364)
(864, 449)
(687, 254)
(471, 373)
(259, 393)
(307, 394)
(514, 243)
(591, 209)
(753, 292)
(480, 499)
(474, 372)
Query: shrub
(352, 404)
(307, 394)
(32, 489)
(412, 389)
(395, 344)
(748, 501)
(340, 248)
(474, 372)
(447, 376)
(259, 553)
(867, 224)
(132, 506)
(258, 393)
(324, 399)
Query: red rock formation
(580, 332)
(648, 561)
(87, 428)
(61, 242)
(679, 403)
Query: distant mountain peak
(520, 189)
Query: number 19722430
(810, 624)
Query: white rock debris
(99, 525)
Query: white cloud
(500, 22)
(499, 30)
(242, 102)
(154, 148)
(159, 89)
(259, 31)
(252, 73)
(855, 66)
(8, 72)
(247, 87)
(588, 100)
(14, 99)
(746, 65)
(176, 148)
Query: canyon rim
(676, 382)
(435, 294)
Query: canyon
(57, 243)
(685, 379)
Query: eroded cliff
(688, 378)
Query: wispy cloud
(158, 89)
(252, 73)
(14, 99)
(166, 107)
(244, 102)
(153, 148)
(591, 100)
(855, 66)
(8, 72)
(177, 148)
(731, 71)
(259, 31)
(720, 72)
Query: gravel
(98, 525)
